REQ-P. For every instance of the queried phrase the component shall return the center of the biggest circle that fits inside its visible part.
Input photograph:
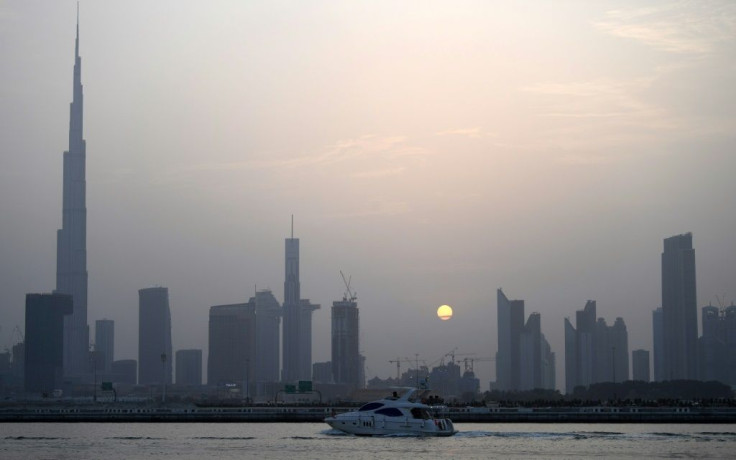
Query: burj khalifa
(71, 239)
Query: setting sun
(444, 312)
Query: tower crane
(350, 295)
(16, 332)
(468, 362)
(398, 362)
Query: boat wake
(602, 435)
(229, 438)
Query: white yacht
(393, 415)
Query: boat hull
(370, 426)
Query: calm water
(318, 441)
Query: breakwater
(127, 413)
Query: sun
(444, 312)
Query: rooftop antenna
(292, 226)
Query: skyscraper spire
(76, 42)
(71, 239)
(292, 318)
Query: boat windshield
(370, 406)
(390, 412)
(420, 413)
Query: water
(112, 441)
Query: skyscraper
(306, 308)
(71, 239)
(124, 371)
(154, 336)
(716, 347)
(679, 308)
(189, 367)
(268, 339)
(297, 329)
(104, 344)
(292, 313)
(524, 357)
(594, 351)
(530, 354)
(618, 339)
(44, 341)
(346, 342)
(640, 365)
(510, 314)
(232, 342)
(658, 344)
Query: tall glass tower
(679, 308)
(71, 239)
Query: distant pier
(127, 413)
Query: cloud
(584, 160)
(467, 132)
(605, 99)
(356, 153)
(680, 27)
(378, 173)
(376, 208)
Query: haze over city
(433, 151)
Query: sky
(433, 151)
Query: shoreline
(286, 414)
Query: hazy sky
(435, 151)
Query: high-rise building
(445, 380)
(640, 365)
(579, 348)
(18, 370)
(571, 359)
(44, 341)
(658, 344)
(717, 347)
(346, 360)
(189, 367)
(618, 338)
(297, 313)
(524, 356)
(71, 239)
(306, 308)
(268, 340)
(154, 336)
(124, 371)
(594, 351)
(549, 372)
(679, 308)
(232, 342)
(104, 344)
(510, 314)
(292, 312)
(530, 353)
(322, 372)
(729, 338)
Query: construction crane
(452, 356)
(16, 332)
(398, 362)
(350, 295)
(468, 362)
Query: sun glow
(444, 312)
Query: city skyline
(549, 160)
